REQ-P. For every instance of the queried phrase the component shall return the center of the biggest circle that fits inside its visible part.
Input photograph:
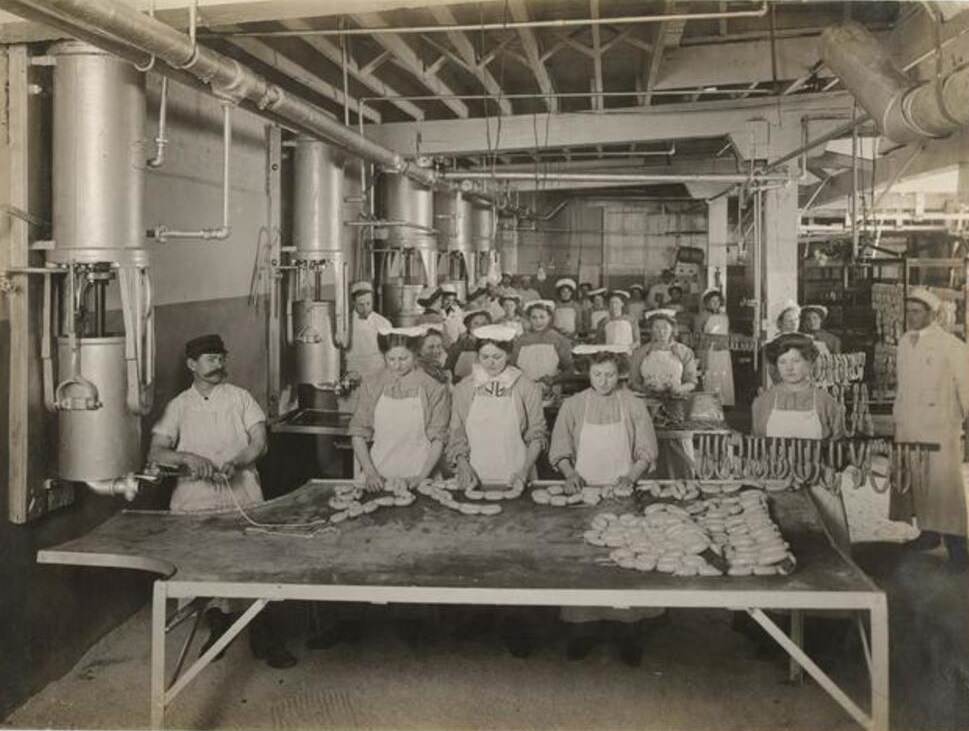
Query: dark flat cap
(204, 344)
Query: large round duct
(98, 157)
(317, 357)
(905, 110)
(482, 228)
(452, 211)
(97, 441)
(318, 209)
(408, 207)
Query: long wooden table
(425, 553)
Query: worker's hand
(573, 484)
(199, 467)
(228, 469)
(467, 477)
(683, 389)
(626, 482)
(373, 482)
(518, 481)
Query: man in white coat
(931, 404)
(364, 357)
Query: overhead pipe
(509, 25)
(611, 177)
(104, 22)
(162, 233)
(905, 110)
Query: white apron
(400, 444)
(364, 356)
(619, 332)
(603, 454)
(494, 437)
(538, 360)
(564, 319)
(796, 424)
(205, 432)
(602, 457)
(454, 325)
(661, 370)
(597, 316)
(718, 365)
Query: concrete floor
(698, 673)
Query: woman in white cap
(567, 314)
(603, 436)
(451, 310)
(432, 354)
(464, 351)
(713, 335)
(363, 356)
(599, 311)
(812, 321)
(931, 404)
(510, 304)
(429, 299)
(498, 427)
(403, 412)
(788, 321)
(543, 352)
(666, 370)
(618, 328)
(637, 302)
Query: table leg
(159, 597)
(879, 665)
(795, 673)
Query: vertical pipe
(854, 183)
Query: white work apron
(454, 325)
(494, 437)
(619, 332)
(538, 360)
(564, 319)
(218, 437)
(597, 316)
(661, 370)
(791, 423)
(603, 454)
(364, 356)
(400, 444)
(602, 457)
(464, 364)
(718, 365)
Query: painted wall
(50, 615)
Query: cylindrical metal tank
(409, 207)
(482, 228)
(317, 358)
(400, 303)
(452, 211)
(317, 200)
(98, 157)
(105, 442)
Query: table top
(534, 553)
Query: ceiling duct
(905, 110)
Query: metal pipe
(905, 110)
(160, 141)
(559, 95)
(145, 36)
(610, 177)
(855, 234)
(162, 233)
(508, 25)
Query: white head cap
(566, 282)
(927, 298)
(358, 287)
(547, 304)
(501, 333)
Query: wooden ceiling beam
(465, 49)
(598, 102)
(332, 53)
(533, 54)
(666, 34)
(407, 58)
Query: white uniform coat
(931, 403)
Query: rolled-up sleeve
(645, 448)
(564, 436)
(361, 423)
(690, 372)
(438, 419)
(458, 444)
(636, 368)
(169, 424)
(536, 430)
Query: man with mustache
(214, 432)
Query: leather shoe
(218, 623)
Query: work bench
(426, 554)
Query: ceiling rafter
(466, 50)
(568, 39)
(331, 51)
(598, 101)
(667, 33)
(533, 53)
(406, 57)
(268, 55)
(377, 61)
